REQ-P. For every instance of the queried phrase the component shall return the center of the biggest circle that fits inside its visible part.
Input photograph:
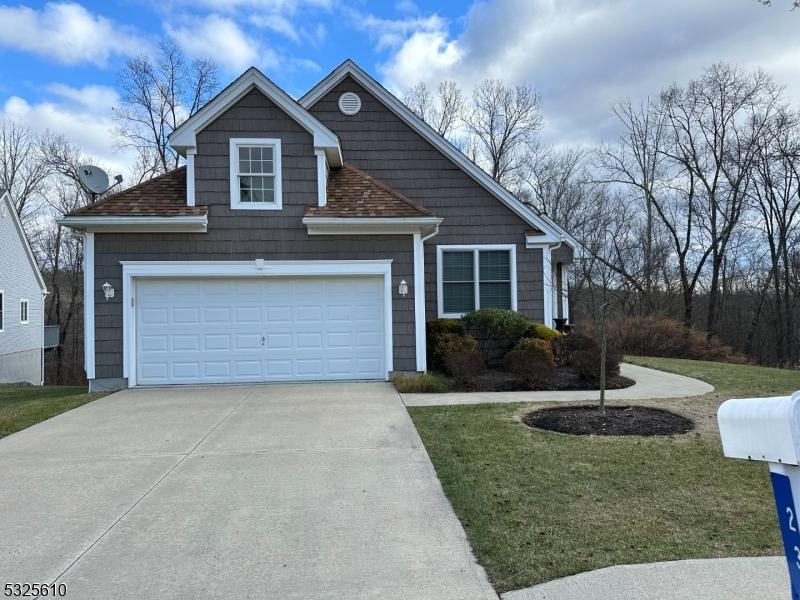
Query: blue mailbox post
(768, 429)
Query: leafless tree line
(42, 172)
(692, 212)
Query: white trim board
(554, 232)
(3, 311)
(88, 304)
(133, 270)
(371, 225)
(419, 303)
(12, 213)
(440, 250)
(188, 224)
(184, 137)
(547, 280)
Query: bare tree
(23, 169)
(715, 123)
(61, 252)
(157, 96)
(504, 120)
(442, 110)
(637, 162)
(776, 191)
(557, 183)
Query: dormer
(255, 163)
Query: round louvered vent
(349, 103)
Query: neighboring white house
(22, 292)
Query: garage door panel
(270, 329)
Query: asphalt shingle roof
(162, 196)
(353, 193)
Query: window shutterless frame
(235, 186)
(475, 249)
(24, 318)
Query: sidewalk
(650, 384)
(710, 579)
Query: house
(22, 292)
(305, 240)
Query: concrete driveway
(270, 491)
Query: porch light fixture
(108, 291)
(403, 288)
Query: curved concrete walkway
(650, 384)
(709, 579)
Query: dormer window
(256, 174)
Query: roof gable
(184, 138)
(7, 210)
(553, 232)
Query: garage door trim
(133, 270)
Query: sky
(59, 60)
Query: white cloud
(83, 115)
(66, 33)
(278, 24)
(221, 39)
(584, 54)
(392, 33)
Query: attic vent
(349, 103)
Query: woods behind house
(690, 214)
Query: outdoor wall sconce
(403, 288)
(108, 291)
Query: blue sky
(58, 60)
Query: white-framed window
(473, 277)
(255, 173)
(2, 310)
(23, 312)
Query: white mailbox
(768, 429)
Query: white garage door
(265, 329)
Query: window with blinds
(475, 278)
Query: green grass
(729, 380)
(23, 406)
(538, 505)
(427, 383)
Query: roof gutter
(371, 225)
(112, 224)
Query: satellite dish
(93, 179)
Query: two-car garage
(227, 329)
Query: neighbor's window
(476, 277)
(256, 174)
(23, 312)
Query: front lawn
(539, 505)
(23, 406)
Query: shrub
(532, 361)
(542, 332)
(464, 365)
(655, 335)
(582, 352)
(540, 348)
(426, 383)
(435, 329)
(451, 343)
(496, 331)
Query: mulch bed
(563, 379)
(618, 420)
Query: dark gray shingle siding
(380, 143)
(247, 235)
